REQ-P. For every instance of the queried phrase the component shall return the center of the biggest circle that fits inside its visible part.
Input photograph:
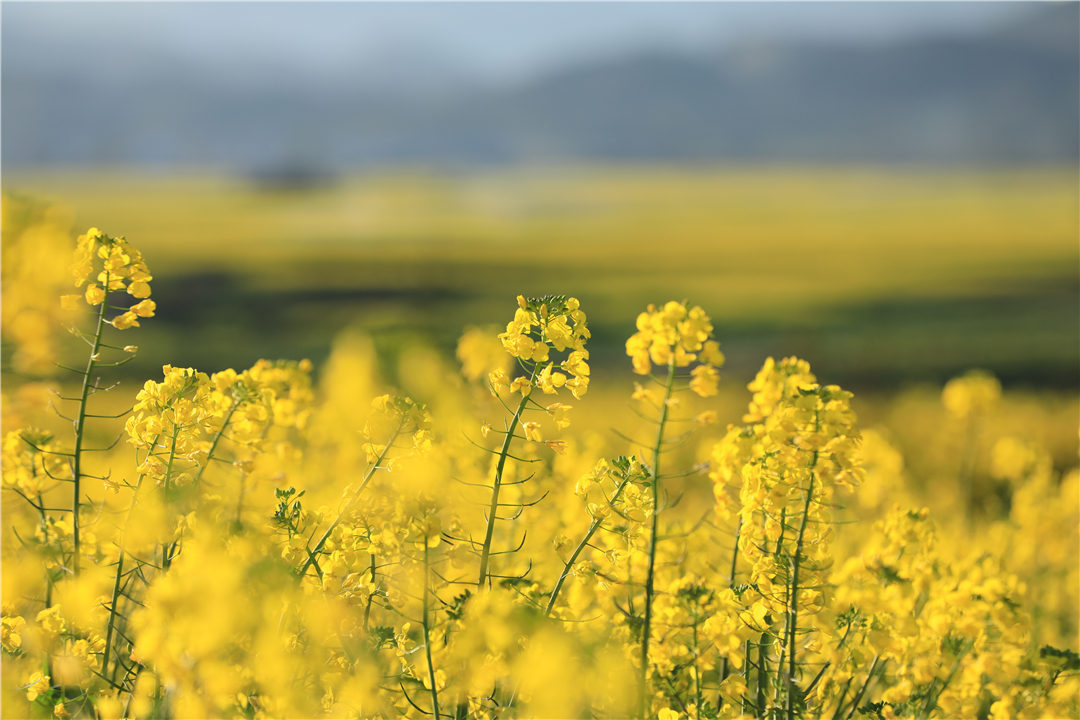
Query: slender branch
(643, 671)
(858, 695)
(793, 597)
(596, 523)
(217, 438)
(356, 496)
(80, 430)
(427, 636)
(485, 551)
(731, 581)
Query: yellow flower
(498, 380)
(144, 309)
(548, 381)
(704, 381)
(38, 685)
(557, 445)
(974, 393)
(578, 385)
(123, 322)
(51, 621)
(709, 417)
(9, 633)
(711, 354)
(532, 431)
(575, 364)
(139, 289)
(94, 294)
(431, 530)
(558, 412)
(559, 333)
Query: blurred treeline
(879, 278)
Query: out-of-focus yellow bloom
(94, 294)
(480, 352)
(532, 431)
(558, 412)
(38, 685)
(974, 393)
(9, 633)
(705, 379)
(125, 321)
(52, 623)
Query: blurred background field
(888, 190)
(879, 278)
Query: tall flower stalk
(118, 266)
(553, 323)
(672, 337)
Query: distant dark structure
(1007, 98)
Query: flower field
(503, 533)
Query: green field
(878, 277)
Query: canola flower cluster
(262, 546)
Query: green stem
(746, 675)
(371, 598)
(697, 672)
(48, 575)
(240, 502)
(731, 582)
(427, 637)
(643, 672)
(858, 695)
(493, 508)
(932, 698)
(356, 496)
(80, 428)
(166, 554)
(596, 523)
(793, 597)
(216, 440)
(762, 673)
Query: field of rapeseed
(493, 538)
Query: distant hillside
(1009, 97)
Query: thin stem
(731, 582)
(489, 533)
(166, 560)
(932, 698)
(697, 671)
(762, 673)
(427, 636)
(216, 440)
(240, 501)
(356, 495)
(119, 573)
(596, 523)
(80, 430)
(643, 672)
(858, 695)
(371, 597)
(793, 597)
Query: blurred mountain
(1011, 96)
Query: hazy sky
(486, 42)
